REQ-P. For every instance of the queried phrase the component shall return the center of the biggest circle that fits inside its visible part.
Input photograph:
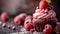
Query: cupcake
(44, 14)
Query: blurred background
(14, 7)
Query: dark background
(55, 4)
(56, 7)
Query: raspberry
(48, 29)
(43, 5)
(17, 20)
(28, 26)
(4, 16)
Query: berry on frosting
(43, 5)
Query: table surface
(20, 29)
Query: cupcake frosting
(45, 13)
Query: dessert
(43, 20)
(44, 15)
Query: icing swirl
(45, 13)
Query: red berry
(22, 16)
(4, 16)
(48, 29)
(28, 26)
(43, 5)
(28, 19)
(45, 31)
(17, 20)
